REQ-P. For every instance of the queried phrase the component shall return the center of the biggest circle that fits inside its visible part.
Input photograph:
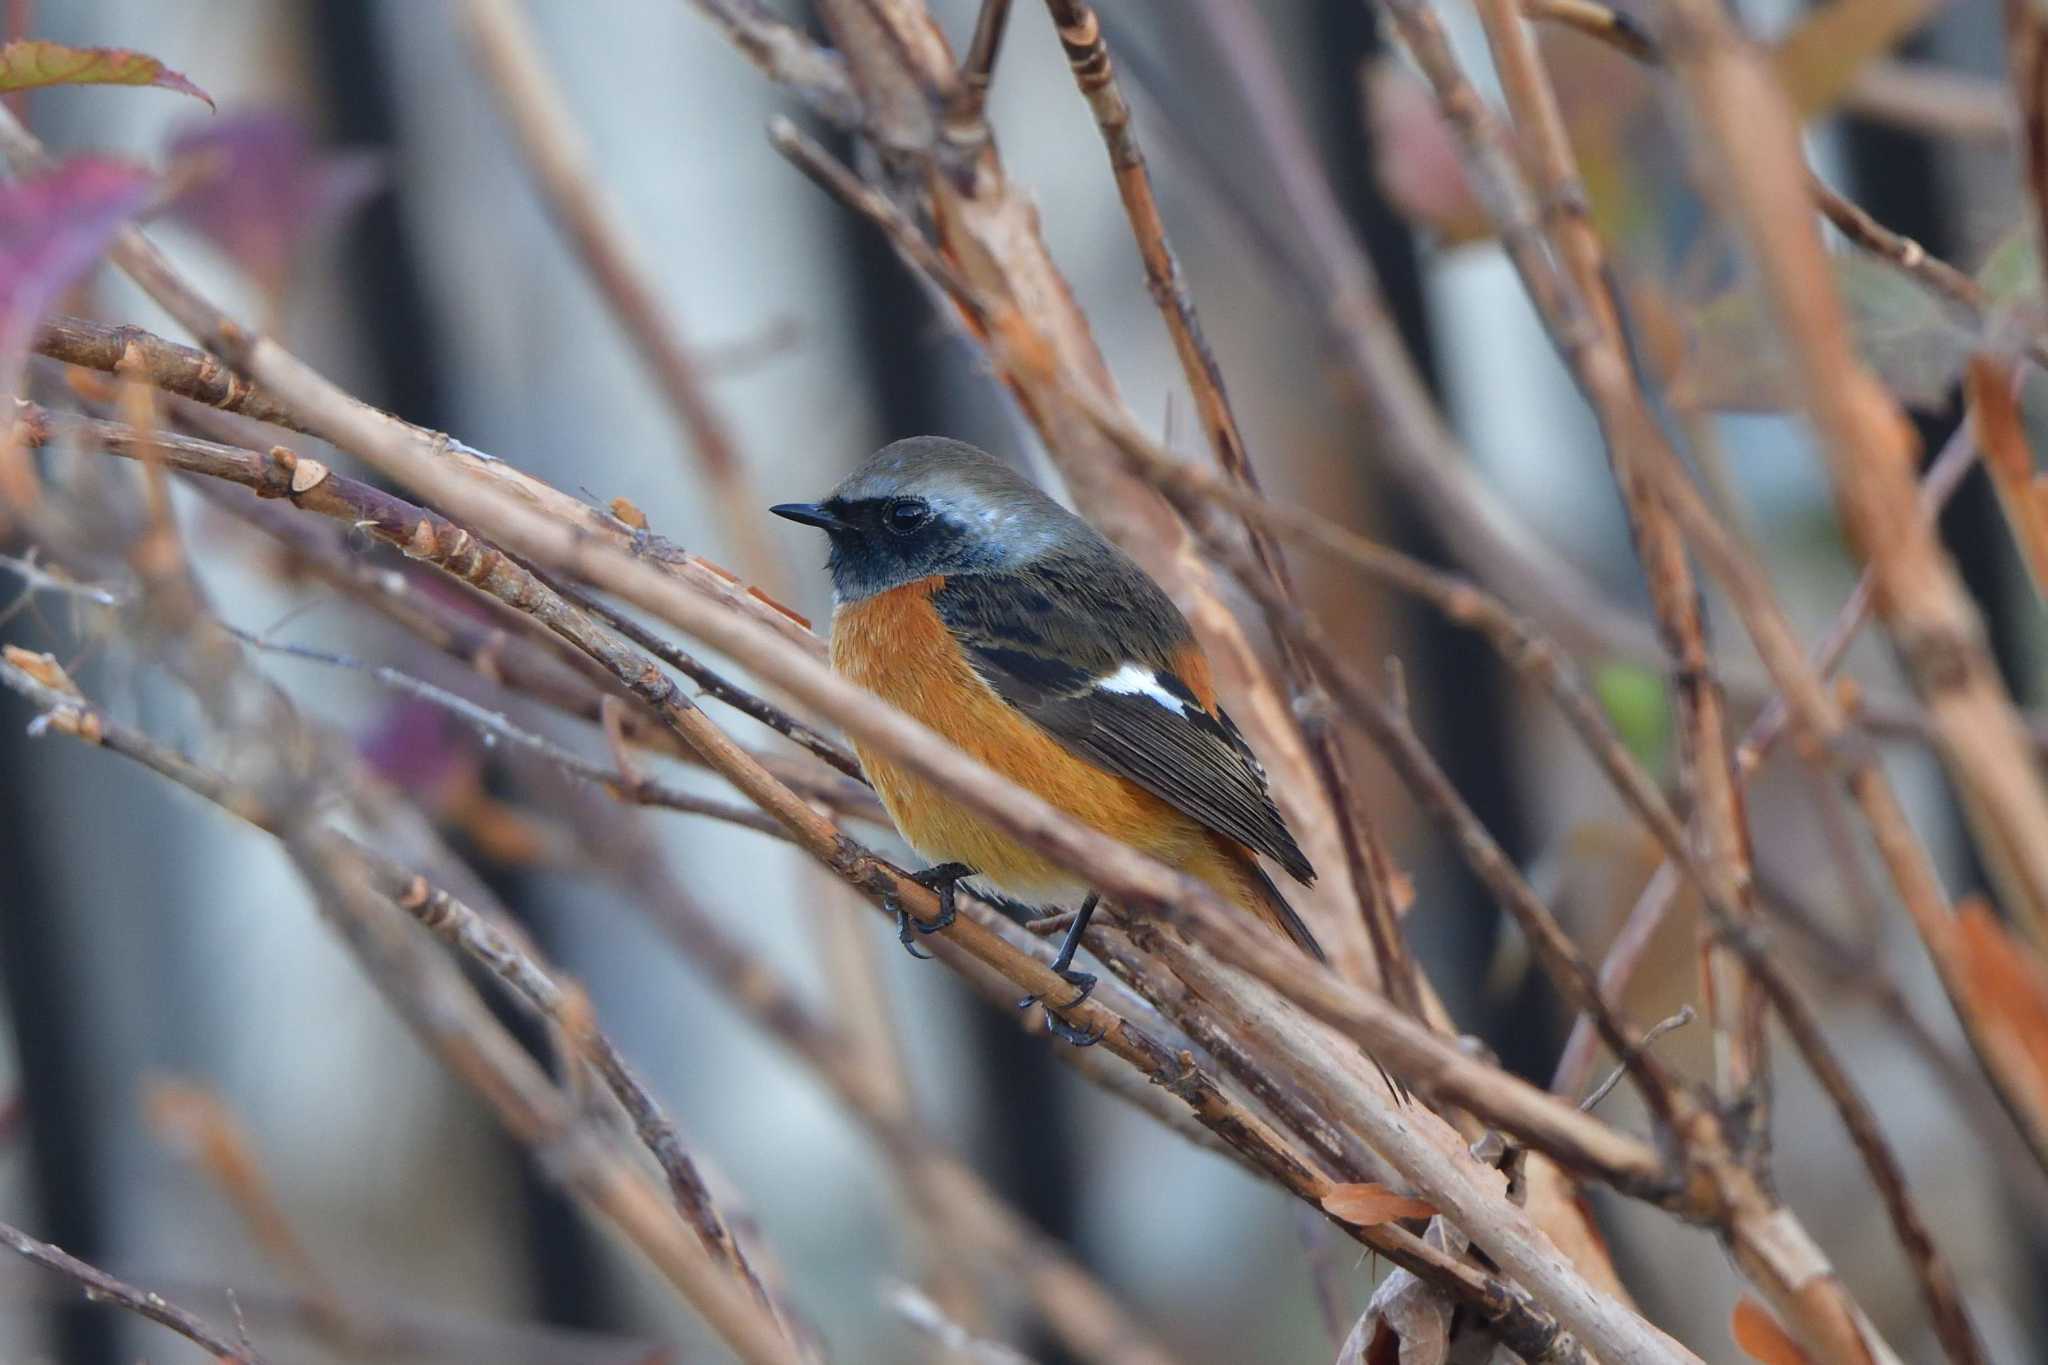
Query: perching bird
(969, 599)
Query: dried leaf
(53, 227)
(2003, 438)
(261, 189)
(1366, 1204)
(31, 64)
(1415, 155)
(1821, 58)
(1408, 1322)
(624, 510)
(44, 668)
(1761, 1338)
(1915, 340)
(2010, 982)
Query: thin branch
(101, 1287)
(1366, 859)
(1517, 1107)
(788, 57)
(631, 787)
(1087, 1316)
(555, 150)
(451, 1019)
(715, 684)
(149, 359)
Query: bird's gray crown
(983, 517)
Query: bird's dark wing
(1095, 654)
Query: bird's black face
(885, 542)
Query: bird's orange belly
(895, 645)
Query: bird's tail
(1237, 874)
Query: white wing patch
(1132, 680)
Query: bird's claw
(1084, 983)
(942, 880)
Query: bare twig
(441, 1006)
(627, 785)
(1366, 859)
(101, 1287)
(533, 103)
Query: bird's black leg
(1063, 964)
(943, 879)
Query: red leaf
(1416, 158)
(263, 188)
(29, 64)
(1366, 1205)
(53, 227)
(2011, 983)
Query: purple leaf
(263, 188)
(29, 64)
(53, 227)
(416, 747)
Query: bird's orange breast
(895, 645)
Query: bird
(969, 599)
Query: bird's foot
(1084, 986)
(943, 880)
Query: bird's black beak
(810, 514)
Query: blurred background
(145, 942)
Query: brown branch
(1938, 100)
(147, 358)
(1366, 860)
(710, 1272)
(1410, 435)
(2026, 53)
(1647, 467)
(201, 1125)
(620, 781)
(100, 1287)
(1583, 318)
(1585, 1144)
(715, 684)
(523, 658)
(557, 154)
(987, 229)
(787, 56)
(1088, 1317)
(1935, 627)
(1994, 414)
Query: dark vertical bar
(564, 1264)
(53, 1045)
(1468, 724)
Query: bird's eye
(905, 515)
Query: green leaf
(1636, 700)
(2012, 269)
(30, 64)
(1914, 339)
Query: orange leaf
(2003, 436)
(1368, 1205)
(2009, 982)
(1760, 1337)
(625, 511)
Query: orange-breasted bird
(969, 599)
